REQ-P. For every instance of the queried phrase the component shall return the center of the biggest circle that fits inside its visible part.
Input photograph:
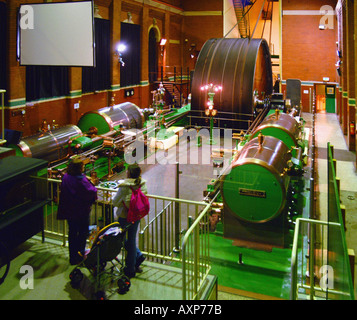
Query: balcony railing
(175, 232)
(320, 266)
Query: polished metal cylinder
(282, 126)
(50, 145)
(126, 115)
(255, 189)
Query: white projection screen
(57, 34)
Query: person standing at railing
(121, 201)
(76, 199)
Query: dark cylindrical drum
(240, 66)
(106, 119)
(50, 146)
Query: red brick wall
(62, 110)
(307, 4)
(197, 29)
(206, 5)
(308, 53)
(173, 24)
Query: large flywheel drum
(240, 66)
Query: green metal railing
(195, 256)
(308, 257)
(158, 240)
(320, 267)
(176, 231)
(337, 245)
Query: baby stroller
(107, 245)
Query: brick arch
(153, 52)
(158, 32)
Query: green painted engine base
(255, 270)
(260, 273)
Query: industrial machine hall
(226, 127)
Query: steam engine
(98, 134)
(257, 191)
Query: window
(46, 82)
(98, 77)
(152, 56)
(130, 37)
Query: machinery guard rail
(158, 244)
(195, 245)
(157, 241)
(326, 248)
(295, 256)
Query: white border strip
(304, 13)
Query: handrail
(156, 217)
(294, 286)
(188, 234)
(200, 203)
(335, 244)
(193, 256)
(334, 202)
(190, 254)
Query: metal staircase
(172, 92)
(175, 92)
(239, 8)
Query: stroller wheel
(100, 295)
(123, 284)
(127, 281)
(76, 277)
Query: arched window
(153, 65)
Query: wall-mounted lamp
(162, 45)
(192, 50)
(118, 52)
(322, 27)
(338, 67)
